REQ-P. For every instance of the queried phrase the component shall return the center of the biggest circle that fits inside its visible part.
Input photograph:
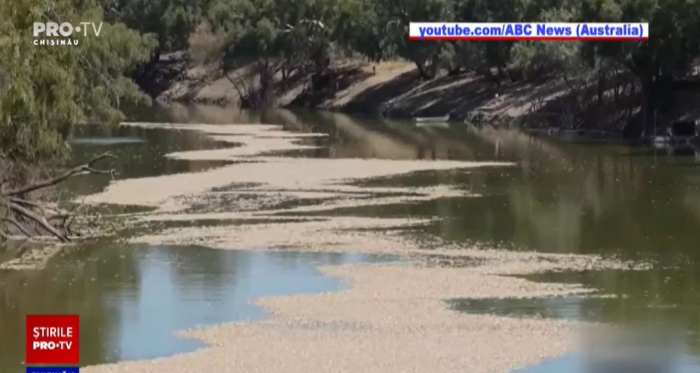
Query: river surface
(562, 197)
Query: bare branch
(28, 216)
(35, 205)
(39, 220)
(85, 169)
(17, 225)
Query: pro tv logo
(52, 340)
(52, 33)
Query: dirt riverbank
(394, 89)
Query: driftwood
(27, 216)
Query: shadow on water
(131, 299)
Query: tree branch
(33, 215)
(17, 225)
(39, 220)
(85, 169)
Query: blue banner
(53, 370)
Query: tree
(45, 91)
(674, 41)
(357, 28)
(259, 48)
(541, 58)
(172, 21)
(268, 37)
(22, 215)
(482, 57)
(395, 16)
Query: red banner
(53, 339)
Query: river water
(562, 197)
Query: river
(626, 202)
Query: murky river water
(132, 299)
(631, 202)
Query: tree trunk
(155, 56)
(284, 77)
(264, 84)
(649, 107)
(424, 73)
(601, 89)
(486, 72)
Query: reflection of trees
(397, 140)
(605, 201)
(82, 281)
(613, 199)
(561, 197)
(576, 198)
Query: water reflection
(669, 298)
(634, 202)
(611, 199)
(132, 299)
(579, 364)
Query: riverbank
(392, 317)
(394, 89)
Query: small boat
(661, 139)
(678, 133)
(432, 119)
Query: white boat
(432, 119)
(661, 139)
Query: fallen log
(29, 216)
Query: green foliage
(491, 54)
(379, 30)
(674, 38)
(258, 42)
(297, 31)
(290, 35)
(46, 90)
(395, 17)
(538, 58)
(357, 27)
(674, 42)
(171, 21)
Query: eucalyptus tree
(485, 56)
(674, 43)
(394, 18)
(45, 90)
(172, 21)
